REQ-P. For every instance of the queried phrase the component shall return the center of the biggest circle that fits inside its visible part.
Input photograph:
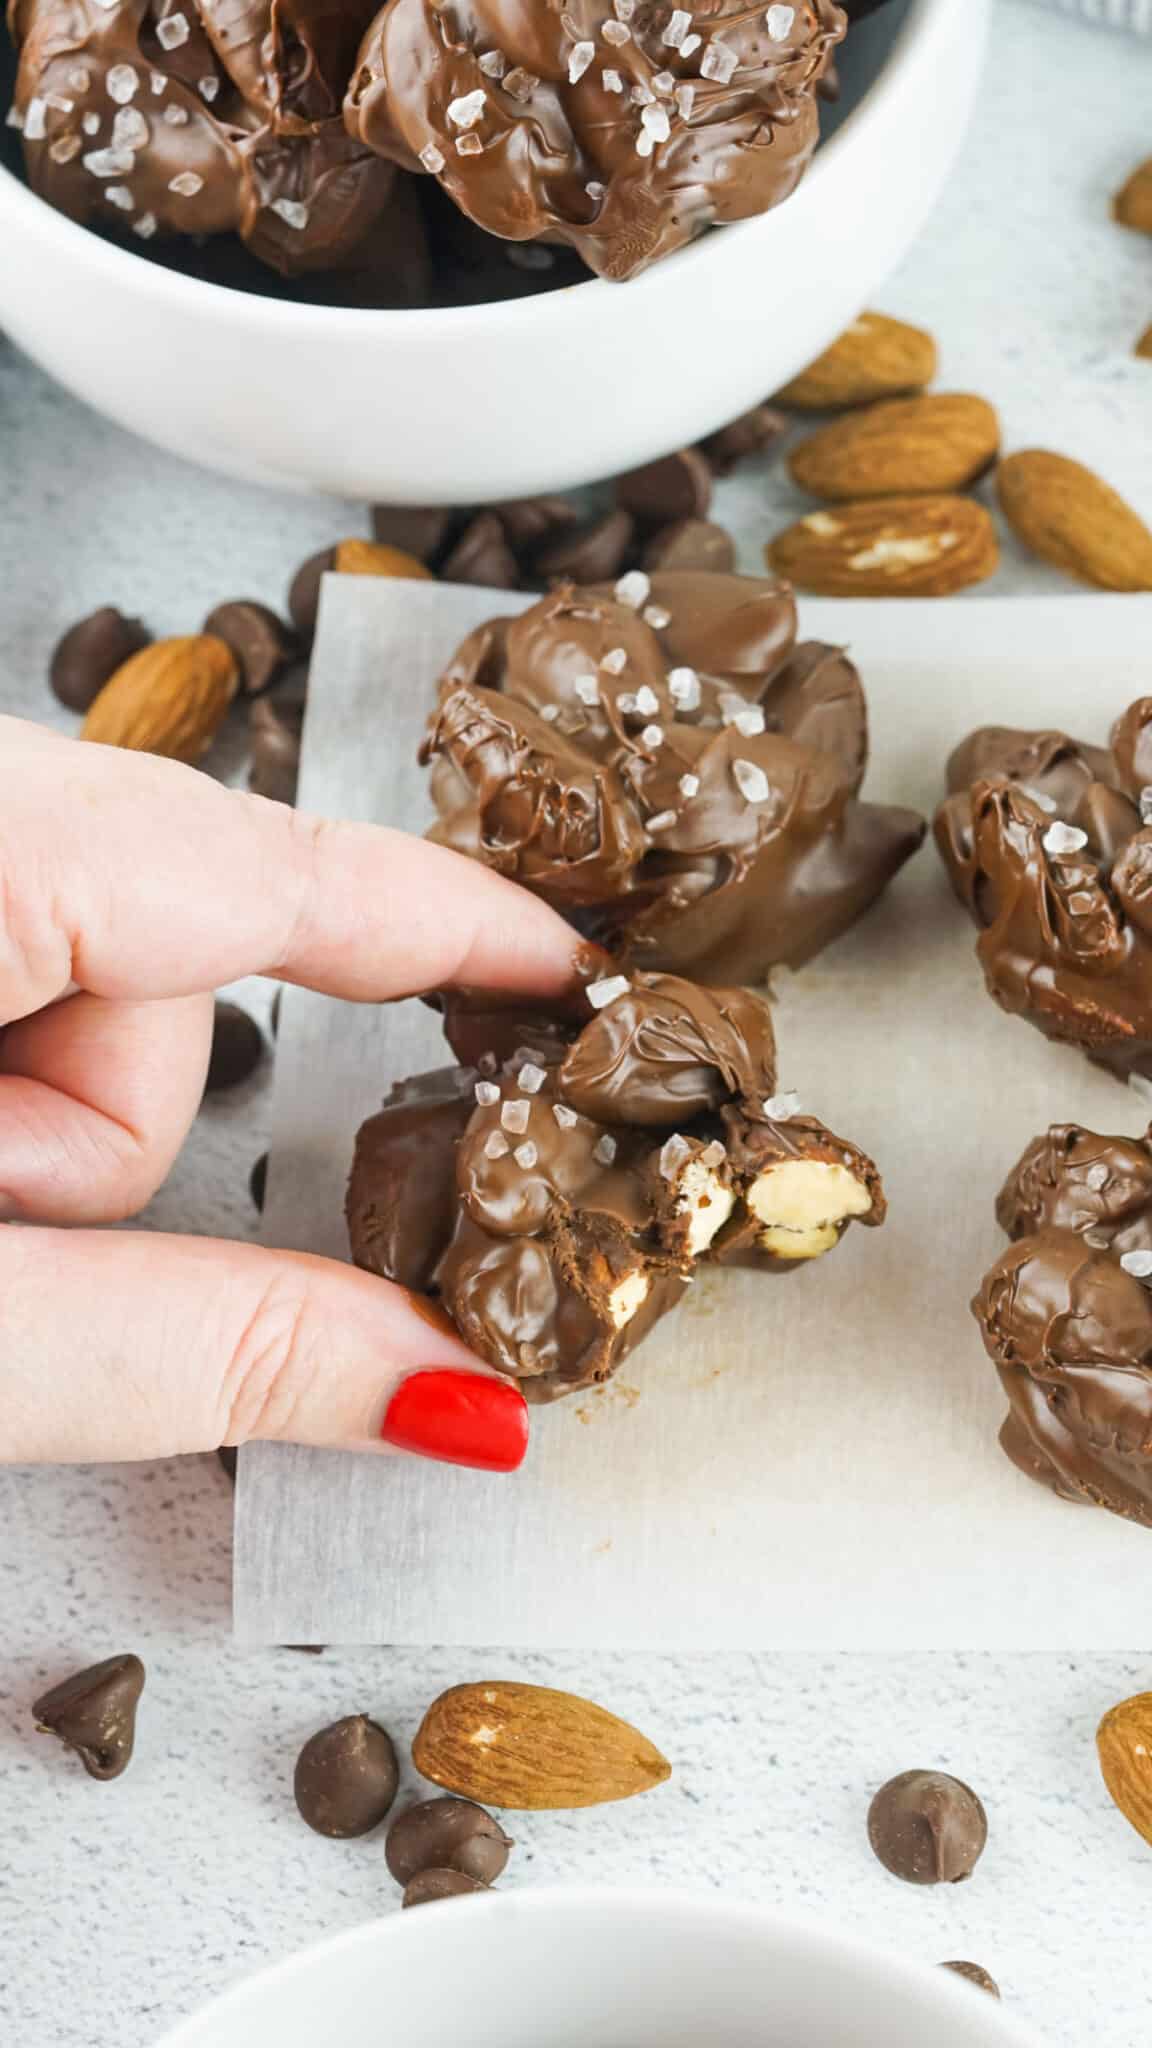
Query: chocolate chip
(975, 1974)
(429, 1885)
(275, 725)
(482, 555)
(94, 1713)
(261, 642)
(752, 434)
(304, 591)
(237, 1048)
(258, 1181)
(90, 652)
(446, 1834)
(419, 530)
(346, 1777)
(927, 1828)
(529, 522)
(691, 544)
(227, 1457)
(677, 487)
(593, 554)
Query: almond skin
(1132, 206)
(941, 442)
(1073, 519)
(1124, 1746)
(376, 558)
(874, 358)
(888, 547)
(169, 699)
(526, 1746)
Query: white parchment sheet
(798, 1463)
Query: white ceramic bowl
(496, 400)
(598, 1969)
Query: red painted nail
(460, 1418)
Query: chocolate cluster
(662, 763)
(621, 130)
(1048, 843)
(557, 1195)
(1066, 1317)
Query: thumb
(117, 1344)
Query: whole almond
(874, 358)
(1072, 518)
(526, 1746)
(376, 558)
(1132, 206)
(888, 547)
(941, 442)
(1124, 1746)
(170, 698)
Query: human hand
(130, 888)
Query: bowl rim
(826, 1944)
(253, 312)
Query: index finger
(137, 878)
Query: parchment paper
(802, 1462)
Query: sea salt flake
(59, 103)
(595, 190)
(550, 711)
(486, 1093)
(119, 196)
(673, 1153)
(690, 45)
(600, 993)
(1061, 838)
(145, 227)
(749, 722)
(653, 736)
(578, 61)
(665, 84)
(1139, 1264)
(718, 63)
(611, 81)
(471, 145)
(655, 614)
(466, 111)
(627, 704)
(624, 9)
(173, 31)
(679, 23)
(617, 33)
(130, 130)
(689, 785)
(642, 96)
(176, 117)
(109, 163)
(633, 589)
(779, 23)
(751, 781)
(1040, 799)
(514, 1117)
(65, 148)
(714, 1154)
(647, 701)
(496, 1145)
(604, 1150)
(91, 124)
(292, 212)
(1097, 1176)
(493, 63)
(662, 822)
(35, 123)
(684, 688)
(158, 83)
(521, 84)
(526, 1154)
(587, 689)
(432, 159)
(188, 183)
(781, 1108)
(564, 1116)
(80, 78)
(208, 87)
(123, 84)
(531, 1078)
(1146, 805)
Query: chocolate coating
(557, 1201)
(275, 729)
(446, 1834)
(1065, 916)
(346, 1777)
(1067, 1326)
(262, 644)
(94, 1713)
(529, 117)
(90, 652)
(927, 1827)
(204, 117)
(430, 1885)
(694, 802)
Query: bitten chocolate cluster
(1048, 843)
(663, 764)
(622, 130)
(558, 1198)
(1066, 1317)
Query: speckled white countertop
(122, 1906)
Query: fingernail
(462, 1418)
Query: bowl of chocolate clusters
(458, 249)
